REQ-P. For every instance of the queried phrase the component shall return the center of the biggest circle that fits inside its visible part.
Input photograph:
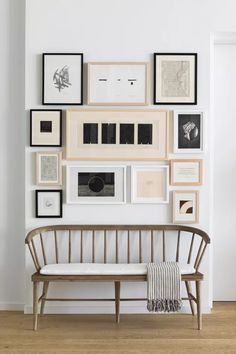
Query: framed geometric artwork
(62, 79)
(45, 127)
(175, 78)
(48, 203)
(186, 172)
(188, 132)
(96, 184)
(150, 184)
(118, 83)
(48, 168)
(185, 207)
(117, 134)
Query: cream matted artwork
(186, 172)
(48, 168)
(149, 184)
(117, 134)
(185, 207)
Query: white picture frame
(186, 172)
(118, 83)
(95, 184)
(48, 168)
(185, 207)
(150, 184)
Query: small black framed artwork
(175, 78)
(45, 127)
(62, 79)
(48, 203)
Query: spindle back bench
(151, 242)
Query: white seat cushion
(104, 269)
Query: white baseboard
(11, 306)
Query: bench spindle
(93, 247)
(198, 254)
(43, 250)
(140, 246)
(191, 249)
(69, 247)
(105, 246)
(81, 246)
(117, 247)
(128, 248)
(163, 246)
(152, 248)
(33, 257)
(201, 256)
(177, 247)
(56, 246)
(36, 256)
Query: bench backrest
(116, 244)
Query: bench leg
(198, 296)
(44, 294)
(189, 291)
(35, 304)
(117, 300)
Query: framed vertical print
(175, 78)
(188, 132)
(118, 83)
(48, 168)
(185, 207)
(186, 172)
(149, 184)
(45, 127)
(62, 79)
(48, 203)
(96, 184)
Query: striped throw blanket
(163, 287)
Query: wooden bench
(65, 253)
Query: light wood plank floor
(136, 334)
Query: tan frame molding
(200, 168)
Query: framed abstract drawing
(48, 168)
(62, 79)
(150, 184)
(48, 203)
(186, 172)
(45, 127)
(118, 83)
(96, 184)
(185, 207)
(117, 134)
(188, 132)
(175, 78)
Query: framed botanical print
(118, 83)
(186, 172)
(62, 79)
(117, 134)
(188, 132)
(96, 184)
(48, 203)
(175, 78)
(48, 168)
(45, 127)
(185, 207)
(150, 184)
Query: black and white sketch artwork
(145, 134)
(96, 184)
(108, 133)
(90, 133)
(189, 131)
(126, 133)
(48, 203)
(61, 78)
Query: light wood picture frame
(117, 134)
(186, 207)
(186, 172)
(118, 83)
(49, 168)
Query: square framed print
(150, 184)
(185, 207)
(118, 83)
(62, 79)
(117, 134)
(48, 168)
(45, 127)
(96, 184)
(175, 78)
(188, 132)
(186, 172)
(48, 203)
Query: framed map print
(175, 78)
(185, 207)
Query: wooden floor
(136, 334)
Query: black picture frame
(60, 127)
(195, 85)
(44, 101)
(37, 191)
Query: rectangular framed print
(188, 132)
(185, 207)
(48, 203)
(48, 168)
(45, 127)
(117, 134)
(150, 184)
(186, 172)
(95, 184)
(118, 83)
(175, 78)
(62, 79)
